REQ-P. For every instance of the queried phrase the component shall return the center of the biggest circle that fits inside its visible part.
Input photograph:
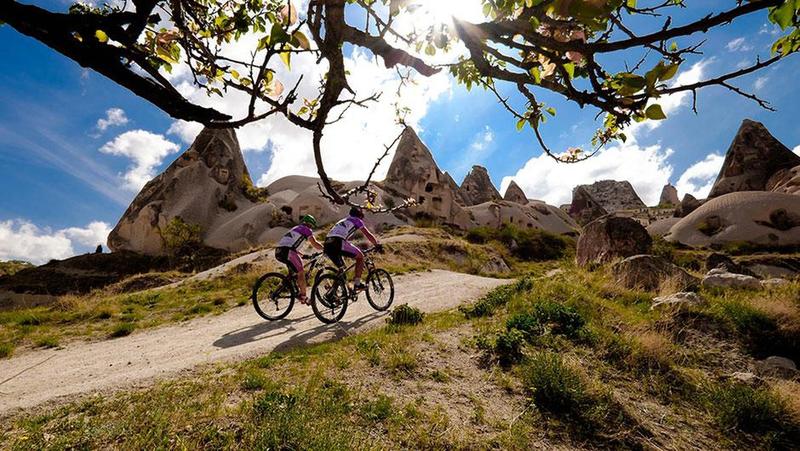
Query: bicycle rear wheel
(329, 298)
(380, 290)
(273, 296)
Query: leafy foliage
(525, 244)
(181, 238)
(405, 314)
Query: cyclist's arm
(313, 240)
(369, 236)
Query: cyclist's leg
(297, 265)
(354, 252)
(333, 250)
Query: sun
(434, 12)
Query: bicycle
(274, 293)
(331, 292)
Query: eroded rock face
(720, 278)
(756, 217)
(534, 215)
(669, 196)
(515, 194)
(584, 207)
(722, 261)
(414, 173)
(687, 205)
(776, 366)
(615, 196)
(752, 159)
(205, 186)
(477, 187)
(785, 181)
(609, 238)
(649, 272)
(677, 300)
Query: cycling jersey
(345, 228)
(295, 237)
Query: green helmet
(310, 220)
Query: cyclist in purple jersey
(287, 253)
(338, 246)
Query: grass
(122, 330)
(6, 350)
(404, 315)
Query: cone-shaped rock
(669, 196)
(477, 187)
(515, 194)
(204, 184)
(585, 208)
(614, 196)
(688, 205)
(414, 173)
(754, 156)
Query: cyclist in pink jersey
(337, 244)
(286, 251)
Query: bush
(252, 192)
(562, 319)
(508, 346)
(525, 244)
(404, 314)
(181, 238)
(555, 386)
(528, 324)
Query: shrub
(181, 238)
(528, 324)
(555, 386)
(562, 319)
(252, 192)
(525, 244)
(122, 330)
(508, 346)
(405, 315)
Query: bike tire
(268, 292)
(329, 298)
(378, 282)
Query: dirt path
(37, 377)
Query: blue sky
(65, 181)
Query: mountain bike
(274, 293)
(331, 292)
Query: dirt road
(37, 377)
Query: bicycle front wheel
(329, 298)
(380, 290)
(273, 296)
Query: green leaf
(669, 72)
(673, 47)
(783, 15)
(101, 36)
(631, 4)
(570, 68)
(521, 124)
(300, 40)
(551, 110)
(234, 74)
(537, 75)
(286, 57)
(655, 112)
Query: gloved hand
(379, 248)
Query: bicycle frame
(312, 263)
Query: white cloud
(146, 150)
(796, 150)
(738, 45)
(698, 179)
(479, 150)
(22, 240)
(760, 82)
(114, 117)
(646, 168)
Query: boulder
(776, 366)
(585, 208)
(752, 159)
(477, 187)
(414, 173)
(720, 278)
(614, 196)
(785, 181)
(760, 218)
(609, 238)
(495, 265)
(773, 283)
(669, 196)
(661, 227)
(649, 272)
(687, 205)
(743, 377)
(515, 194)
(722, 261)
(677, 300)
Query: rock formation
(785, 181)
(584, 207)
(414, 173)
(610, 238)
(752, 159)
(669, 196)
(515, 194)
(762, 218)
(649, 272)
(688, 205)
(534, 215)
(614, 196)
(477, 187)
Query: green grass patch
(6, 350)
(47, 341)
(404, 315)
(122, 330)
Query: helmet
(355, 211)
(308, 219)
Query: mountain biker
(337, 244)
(287, 251)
